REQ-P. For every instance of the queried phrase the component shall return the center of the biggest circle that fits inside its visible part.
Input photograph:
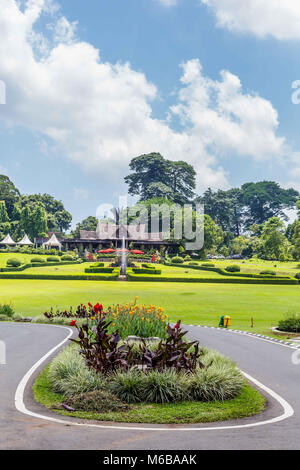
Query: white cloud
(277, 18)
(99, 114)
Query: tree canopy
(154, 176)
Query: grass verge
(250, 402)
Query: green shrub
(268, 272)
(128, 386)
(37, 260)
(297, 276)
(53, 259)
(234, 268)
(13, 262)
(188, 258)
(193, 263)
(217, 382)
(7, 310)
(207, 265)
(177, 260)
(96, 401)
(291, 323)
(70, 376)
(162, 387)
(67, 258)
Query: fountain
(123, 268)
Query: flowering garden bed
(103, 376)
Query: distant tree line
(34, 214)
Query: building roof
(8, 241)
(25, 241)
(52, 241)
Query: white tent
(52, 243)
(8, 241)
(25, 241)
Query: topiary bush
(53, 259)
(193, 263)
(188, 258)
(13, 262)
(268, 272)
(297, 276)
(291, 324)
(177, 260)
(37, 260)
(234, 268)
(208, 265)
(67, 258)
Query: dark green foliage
(7, 310)
(67, 258)
(268, 272)
(53, 259)
(37, 260)
(155, 177)
(177, 260)
(233, 268)
(208, 265)
(96, 401)
(290, 324)
(297, 276)
(13, 262)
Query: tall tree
(89, 224)
(8, 193)
(266, 199)
(154, 176)
(58, 218)
(3, 213)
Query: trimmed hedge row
(223, 272)
(140, 278)
(37, 265)
(150, 271)
(61, 277)
(99, 270)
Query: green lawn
(193, 303)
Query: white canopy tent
(52, 243)
(25, 241)
(8, 241)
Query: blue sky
(75, 138)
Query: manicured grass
(22, 257)
(194, 303)
(249, 403)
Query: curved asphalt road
(268, 362)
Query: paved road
(270, 363)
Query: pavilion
(8, 241)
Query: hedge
(36, 265)
(99, 270)
(226, 273)
(149, 271)
(141, 278)
(61, 277)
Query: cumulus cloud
(99, 114)
(277, 18)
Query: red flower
(73, 323)
(176, 326)
(98, 307)
(90, 305)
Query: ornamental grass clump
(69, 375)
